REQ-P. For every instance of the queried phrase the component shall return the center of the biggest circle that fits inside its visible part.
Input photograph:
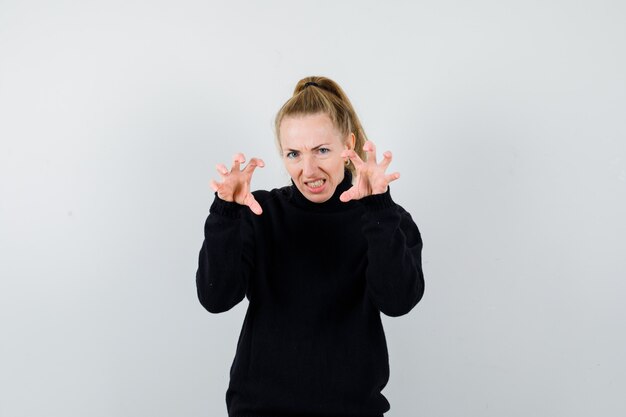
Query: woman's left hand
(370, 176)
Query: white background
(507, 120)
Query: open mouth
(316, 186)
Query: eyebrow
(313, 149)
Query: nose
(309, 166)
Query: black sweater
(317, 276)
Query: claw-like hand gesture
(235, 185)
(370, 176)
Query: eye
(291, 154)
(324, 150)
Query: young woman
(318, 260)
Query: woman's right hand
(235, 185)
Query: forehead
(308, 131)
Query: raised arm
(394, 256)
(226, 258)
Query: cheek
(291, 168)
(336, 166)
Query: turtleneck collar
(332, 204)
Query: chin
(317, 198)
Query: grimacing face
(311, 149)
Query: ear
(350, 141)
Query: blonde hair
(314, 95)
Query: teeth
(316, 184)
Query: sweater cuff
(378, 201)
(225, 208)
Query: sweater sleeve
(226, 257)
(394, 274)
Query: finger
(370, 151)
(254, 162)
(238, 159)
(251, 202)
(214, 185)
(354, 157)
(392, 177)
(386, 160)
(221, 169)
(345, 197)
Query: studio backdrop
(508, 127)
